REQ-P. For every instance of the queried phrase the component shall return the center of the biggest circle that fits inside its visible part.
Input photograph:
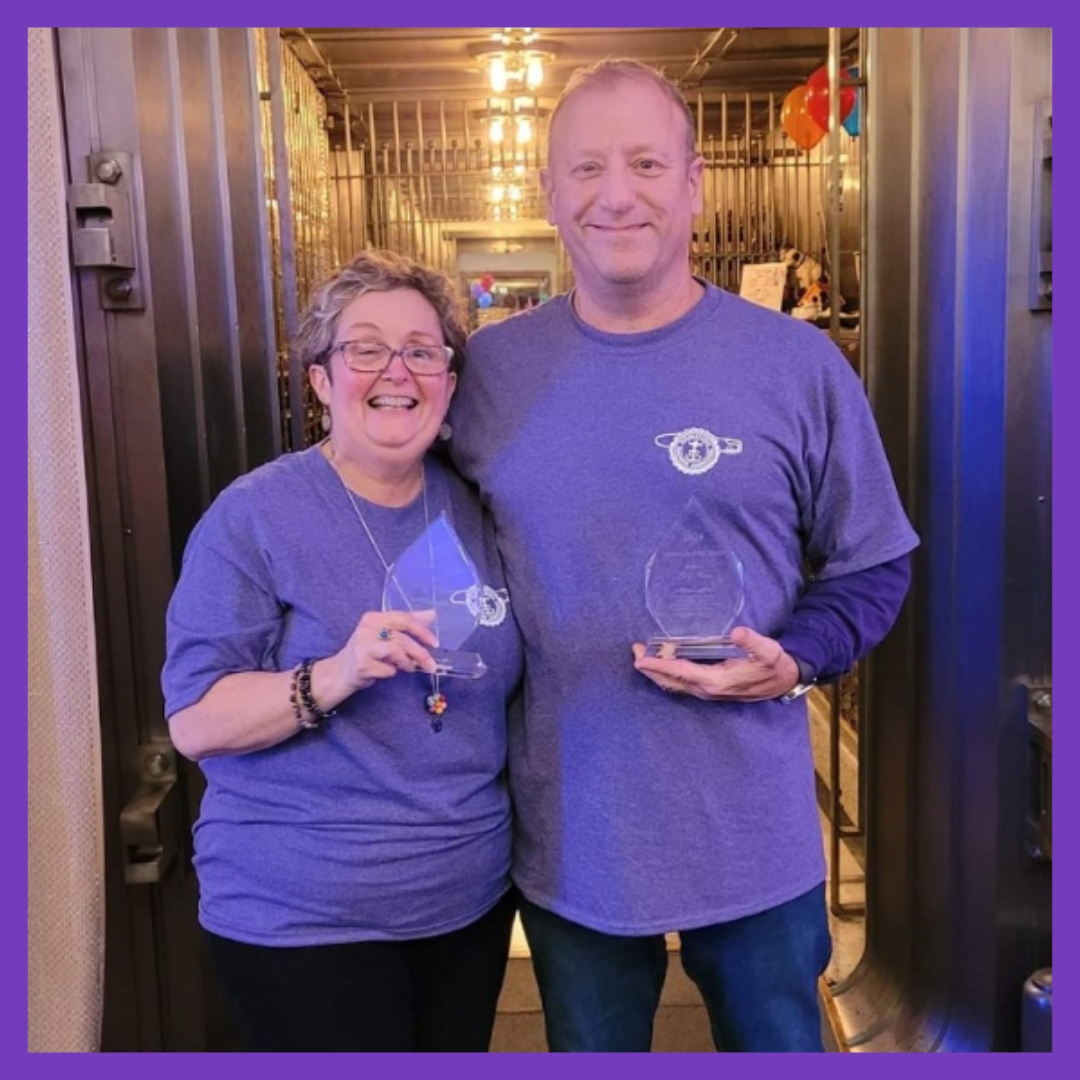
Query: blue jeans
(758, 976)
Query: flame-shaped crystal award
(434, 573)
(694, 590)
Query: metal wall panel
(302, 239)
(179, 395)
(202, 169)
(761, 191)
(959, 373)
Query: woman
(353, 845)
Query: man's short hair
(606, 73)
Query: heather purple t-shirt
(373, 826)
(636, 811)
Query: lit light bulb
(534, 73)
(496, 132)
(498, 74)
(498, 193)
(514, 192)
(524, 130)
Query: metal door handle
(149, 823)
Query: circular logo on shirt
(696, 450)
(487, 604)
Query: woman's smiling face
(392, 416)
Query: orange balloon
(801, 127)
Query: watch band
(806, 683)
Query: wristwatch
(806, 683)
(797, 692)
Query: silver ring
(384, 633)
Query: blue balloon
(484, 299)
(851, 121)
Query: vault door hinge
(102, 214)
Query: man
(655, 795)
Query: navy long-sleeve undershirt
(838, 621)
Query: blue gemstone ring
(384, 634)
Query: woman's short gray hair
(375, 271)
(606, 73)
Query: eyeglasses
(375, 356)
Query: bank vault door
(176, 248)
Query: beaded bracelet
(303, 701)
(294, 701)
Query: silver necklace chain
(436, 722)
(367, 529)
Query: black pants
(430, 994)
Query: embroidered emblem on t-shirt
(487, 604)
(696, 450)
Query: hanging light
(498, 193)
(514, 193)
(534, 72)
(524, 129)
(496, 133)
(515, 59)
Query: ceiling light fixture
(514, 60)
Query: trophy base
(458, 665)
(694, 648)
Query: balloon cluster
(805, 113)
(480, 291)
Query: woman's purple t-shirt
(374, 826)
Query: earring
(325, 422)
(445, 431)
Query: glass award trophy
(694, 590)
(434, 573)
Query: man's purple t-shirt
(639, 812)
(374, 826)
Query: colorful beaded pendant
(436, 705)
